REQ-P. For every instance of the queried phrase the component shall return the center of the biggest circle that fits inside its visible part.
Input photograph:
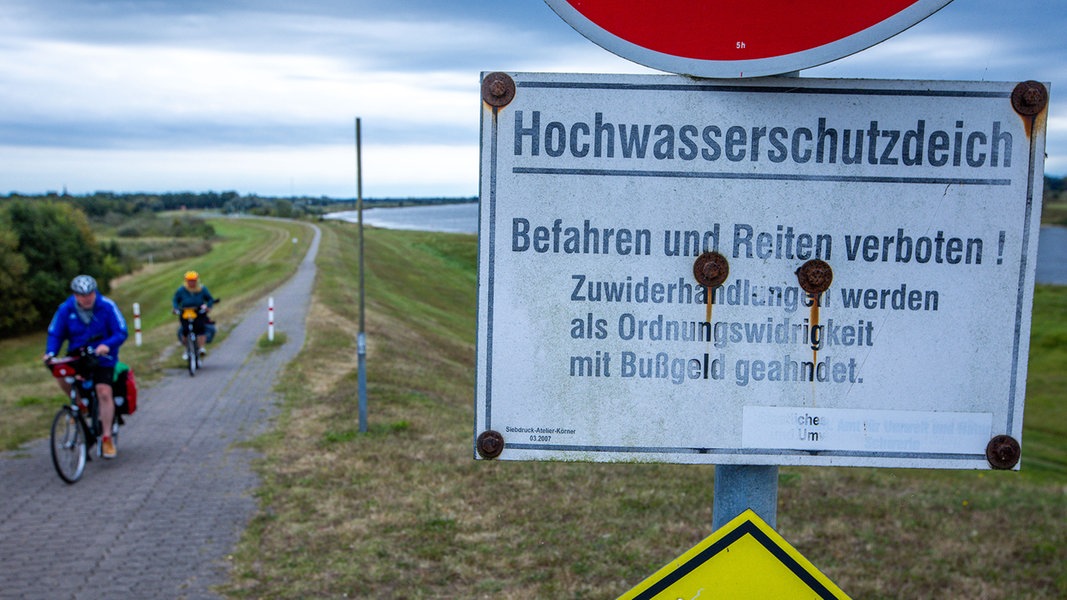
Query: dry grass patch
(323, 375)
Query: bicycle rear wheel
(68, 445)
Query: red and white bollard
(137, 322)
(270, 319)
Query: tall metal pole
(361, 341)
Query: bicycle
(192, 353)
(188, 336)
(76, 428)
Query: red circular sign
(739, 38)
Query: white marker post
(270, 319)
(137, 322)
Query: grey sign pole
(740, 487)
(361, 341)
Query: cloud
(137, 91)
(263, 103)
(330, 170)
(215, 94)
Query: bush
(181, 226)
(55, 239)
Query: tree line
(102, 203)
(46, 240)
(43, 245)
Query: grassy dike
(249, 258)
(403, 511)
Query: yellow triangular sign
(744, 559)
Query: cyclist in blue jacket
(88, 319)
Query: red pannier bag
(124, 389)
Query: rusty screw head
(1029, 98)
(498, 89)
(1003, 452)
(490, 444)
(815, 276)
(711, 269)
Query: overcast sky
(260, 96)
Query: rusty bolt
(1029, 98)
(1003, 452)
(498, 89)
(490, 444)
(711, 269)
(815, 276)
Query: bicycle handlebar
(78, 361)
(74, 356)
(203, 309)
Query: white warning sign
(603, 197)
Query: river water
(463, 218)
(449, 218)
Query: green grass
(404, 510)
(265, 344)
(1045, 422)
(1054, 210)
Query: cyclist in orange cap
(192, 294)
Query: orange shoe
(107, 448)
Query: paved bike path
(173, 503)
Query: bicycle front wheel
(190, 349)
(68, 445)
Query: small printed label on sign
(830, 429)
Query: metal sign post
(743, 487)
(361, 340)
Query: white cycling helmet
(83, 284)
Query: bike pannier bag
(125, 389)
